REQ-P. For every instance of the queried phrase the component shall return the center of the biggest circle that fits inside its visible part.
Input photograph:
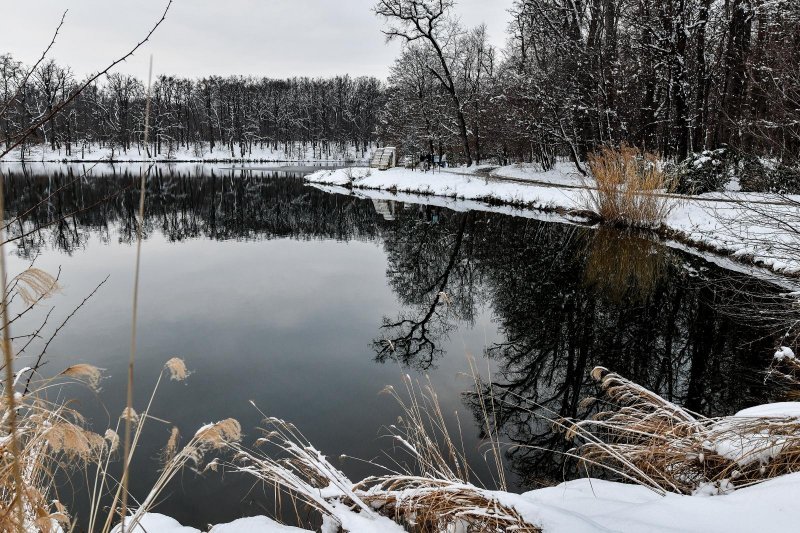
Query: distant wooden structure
(384, 158)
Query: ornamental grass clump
(648, 440)
(629, 188)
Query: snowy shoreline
(593, 506)
(721, 223)
(201, 153)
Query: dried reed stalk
(135, 310)
(10, 410)
(434, 495)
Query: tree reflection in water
(567, 299)
(185, 203)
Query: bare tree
(429, 21)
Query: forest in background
(229, 116)
(673, 77)
(669, 76)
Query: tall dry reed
(434, 494)
(629, 187)
(135, 306)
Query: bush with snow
(703, 172)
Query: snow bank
(596, 506)
(771, 410)
(351, 522)
(593, 506)
(727, 223)
(732, 223)
(152, 523)
(465, 187)
(257, 524)
(157, 523)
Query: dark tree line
(228, 117)
(671, 76)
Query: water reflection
(430, 270)
(624, 264)
(562, 298)
(566, 299)
(218, 204)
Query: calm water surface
(310, 303)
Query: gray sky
(276, 38)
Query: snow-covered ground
(157, 523)
(596, 506)
(731, 222)
(200, 152)
(593, 506)
(448, 183)
(563, 173)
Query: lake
(309, 303)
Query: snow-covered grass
(437, 497)
(752, 228)
(194, 152)
(658, 444)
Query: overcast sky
(276, 38)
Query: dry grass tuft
(50, 438)
(89, 374)
(220, 435)
(172, 444)
(435, 505)
(129, 413)
(113, 440)
(629, 187)
(73, 441)
(177, 369)
(34, 285)
(436, 496)
(651, 441)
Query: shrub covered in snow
(703, 172)
(784, 179)
(754, 176)
(757, 176)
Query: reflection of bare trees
(679, 340)
(767, 227)
(568, 299)
(180, 205)
(416, 336)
